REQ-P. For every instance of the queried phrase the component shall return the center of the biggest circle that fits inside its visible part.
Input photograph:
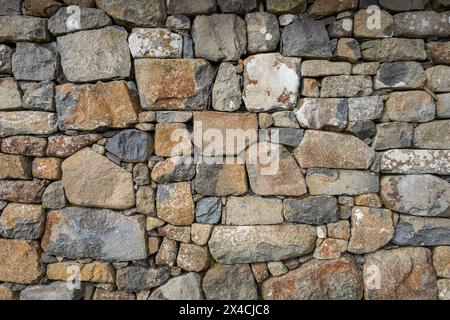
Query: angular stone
(411, 106)
(167, 254)
(97, 106)
(346, 86)
(247, 244)
(317, 280)
(339, 182)
(47, 168)
(441, 261)
(145, 200)
(209, 210)
(315, 210)
(423, 24)
(27, 122)
(174, 203)
(6, 54)
(132, 279)
(178, 22)
(38, 95)
(20, 261)
(180, 234)
(175, 169)
(22, 221)
(191, 7)
(400, 75)
(366, 27)
(52, 291)
(400, 274)
(322, 114)
(324, 8)
(253, 211)
(172, 139)
(262, 32)
(368, 200)
(277, 268)
(287, 6)
(77, 233)
(339, 230)
(219, 37)
(14, 167)
(322, 68)
(200, 233)
(96, 271)
(24, 145)
(433, 135)
(285, 119)
(235, 282)
(330, 249)
(22, 191)
(392, 135)
(10, 7)
(365, 108)
(91, 180)
(438, 78)
(193, 258)
(341, 28)
(363, 130)
(174, 84)
(155, 43)
(221, 179)
(95, 55)
(23, 28)
(141, 174)
(170, 116)
(131, 146)
(440, 52)
(9, 94)
(185, 287)
(310, 88)
(421, 231)
(65, 146)
(416, 161)
(54, 197)
(35, 62)
(366, 69)
(394, 50)
(286, 136)
(443, 106)
(226, 93)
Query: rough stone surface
(346, 86)
(174, 203)
(366, 27)
(322, 114)
(52, 291)
(226, 93)
(238, 6)
(394, 50)
(96, 271)
(440, 52)
(22, 191)
(253, 211)
(54, 197)
(191, 8)
(22, 221)
(221, 179)
(185, 287)
(23, 28)
(433, 135)
(9, 94)
(38, 95)
(64, 146)
(421, 24)
(132, 279)
(27, 122)
(438, 79)
(324, 8)
(6, 54)
(441, 261)
(24, 145)
(443, 106)
(155, 43)
(175, 169)
(262, 32)
(192, 258)
(393, 135)
(14, 167)
(422, 231)
(316, 210)
(131, 146)
(400, 75)
(408, 161)
(172, 139)
(209, 210)
(283, 7)
(411, 106)
(322, 68)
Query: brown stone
(167, 254)
(368, 200)
(22, 191)
(324, 8)
(172, 139)
(40, 8)
(441, 261)
(47, 168)
(22, 221)
(102, 294)
(200, 233)
(339, 230)
(97, 271)
(193, 258)
(260, 271)
(24, 145)
(365, 28)
(440, 51)
(438, 79)
(330, 249)
(153, 245)
(180, 234)
(6, 294)
(14, 167)
(221, 179)
(65, 146)
(174, 203)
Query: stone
(153, 245)
(402, 5)
(178, 22)
(193, 258)
(373, 24)
(394, 50)
(284, 7)
(220, 179)
(22, 221)
(24, 145)
(441, 261)
(145, 200)
(23, 28)
(131, 146)
(209, 210)
(322, 68)
(184, 287)
(180, 234)
(315, 210)
(64, 22)
(152, 223)
(262, 32)
(346, 86)
(200, 233)
(317, 150)
(400, 274)
(172, 139)
(400, 75)
(141, 174)
(172, 116)
(310, 88)
(226, 93)
(443, 286)
(365, 108)
(155, 43)
(174, 84)
(363, 130)
(366, 69)
(167, 254)
(40, 8)
(102, 294)
(52, 291)
(10, 7)
(47, 168)
(393, 135)
(368, 200)
(6, 294)
(77, 233)
(95, 54)
(35, 61)
(260, 271)
(9, 94)
(174, 203)
(286, 136)
(440, 5)
(432, 135)
(406, 161)
(273, 171)
(38, 95)
(410, 106)
(440, 52)
(175, 169)
(14, 167)
(438, 79)
(91, 180)
(191, 8)
(322, 114)
(248, 244)
(423, 24)
(285, 119)
(96, 271)
(54, 197)
(330, 249)
(339, 230)
(27, 122)
(400, 193)
(253, 211)
(443, 106)
(277, 268)
(219, 37)
(348, 49)
(97, 106)
(22, 191)
(338, 279)
(234, 282)
(340, 182)
(324, 8)
(422, 231)
(64, 146)
(133, 279)
(20, 261)
(306, 39)
(238, 6)
(6, 54)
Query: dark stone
(209, 210)
(238, 6)
(133, 279)
(131, 146)
(316, 210)
(419, 231)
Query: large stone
(22, 221)
(6, 54)
(262, 32)
(91, 180)
(52, 291)
(306, 39)
(9, 94)
(394, 50)
(23, 28)
(400, 75)
(287, 6)
(226, 93)
(403, 5)
(136, 13)
(324, 8)
(24, 145)
(338, 279)
(315, 210)
(422, 231)
(438, 79)
(440, 52)
(78, 233)
(322, 114)
(38, 95)
(373, 24)
(219, 37)
(155, 43)
(322, 68)
(235, 282)
(341, 182)
(271, 82)
(97, 106)
(247, 244)
(64, 146)
(221, 179)
(95, 54)
(27, 122)
(253, 211)
(20, 261)
(416, 161)
(174, 84)
(346, 86)
(15, 167)
(423, 24)
(365, 108)
(131, 146)
(22, 191)
(441, 261)
(96, 271)
(132, 279)
(184, 287)
(191, 7)
(399, 274)
(393, 135)
(410, 106)
(174, 203)
(432, 135)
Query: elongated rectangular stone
(23, 28)
(253, 211)
(27, 122)
(421, 231)
(22, 191)
(407, 161)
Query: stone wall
(114, 116)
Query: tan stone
(167, 254)
(200, 233)
(193, 258)
(221, 179)
(310, 88)
(40, 8)
(443, 286)
(6, 294)
(102, 294)
(441, 261)
(153, 223)
(14, 167)
(153, 245)
(172, 139)
(363, 24)
(27, 122)
(24, 145)
(97, 271)
(64, 146)
(260, 271)
(368, 200)
(324, 8)
(440, 51)
(339, 230)
(174, 203)
(47, 168)
(253, 211)
(330, 249)
(180, 234)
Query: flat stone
(221, 179)
(209, 210)
(174, 84)
(441, 261)
(416, 161)
(271, 82)
(171, 116)
(15, 167)
(285, 119)
(24, 145)
(9, 94)
(400, 75)
(54, 197)
(132, 279)
(346, 86)
(96, 271)
(200, 233)
(11, 7)
(323, 68)
(172, 140)
(366, 69)
(131, 146)
(64, 146)
(23, 28)
(78, 233)
(27, 122)
(400, 274)
(284, 7)
(184, 287)
(247, 244)
(365, 108)
(330, 249)
(52, 291)
(6, 54)
(226, 93)
(433, 135)
(315, 210)
(322, 114)
(253, 211)
(340, 182)
(286, 136)
(394, 50)
(102, 294)
(262, 32)
(411, 106)
(97, 106)
(443, 106)
(47, 168)
(95, 54)
(174, 203)
(422, 231)
(438, 79)
(423, 24)
(155, 43)
(38, 95)
(338, 279)
(180, 234)
(324, 8)
(175, 169)
(191, 8)
(402, 5)
(440, 52)
(366, 27)
(6, 294)
(193, 258)
(91, 180)
(22, 191)
(22, 221)
(234, 282)
(393, 135)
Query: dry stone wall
(134, 133)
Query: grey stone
(27, 122)
(75, 18)
(133, 279)
(422, 24)
(238, 6)
(410, 106)
(407, 161)
(188, 47)
(95, 54)
(35, 62)
(209, 210)
(38, 96)
(219, 37)
(285, 119)
(440, 5)
(315, 210)
(6, 54)
(23, 28)
(52, 291)
(290, 137)
(185, 287)
(341, 28)
(173, 116)
(262, 32)
(145, 200)
(366, 69)
(322, 68)
(131, 146)
(365, 108)
(403, 5)
(226, 93)
(178, 22)
(9, 94)
(22, 221)
(400, 75)
(10, 7)
(235, 282)
(77, 233)
(394, 50)
(363, 129)
(443, 106)
(54, 197)
(433, 135)
(253, 211)
(155, 43)
(307, 39)
(420, 231)
(322, 114)
(438, 78)
(393, 135)
(174, 169)
(141, 174)
(346, 86)
(191, 7)
(277, 268)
